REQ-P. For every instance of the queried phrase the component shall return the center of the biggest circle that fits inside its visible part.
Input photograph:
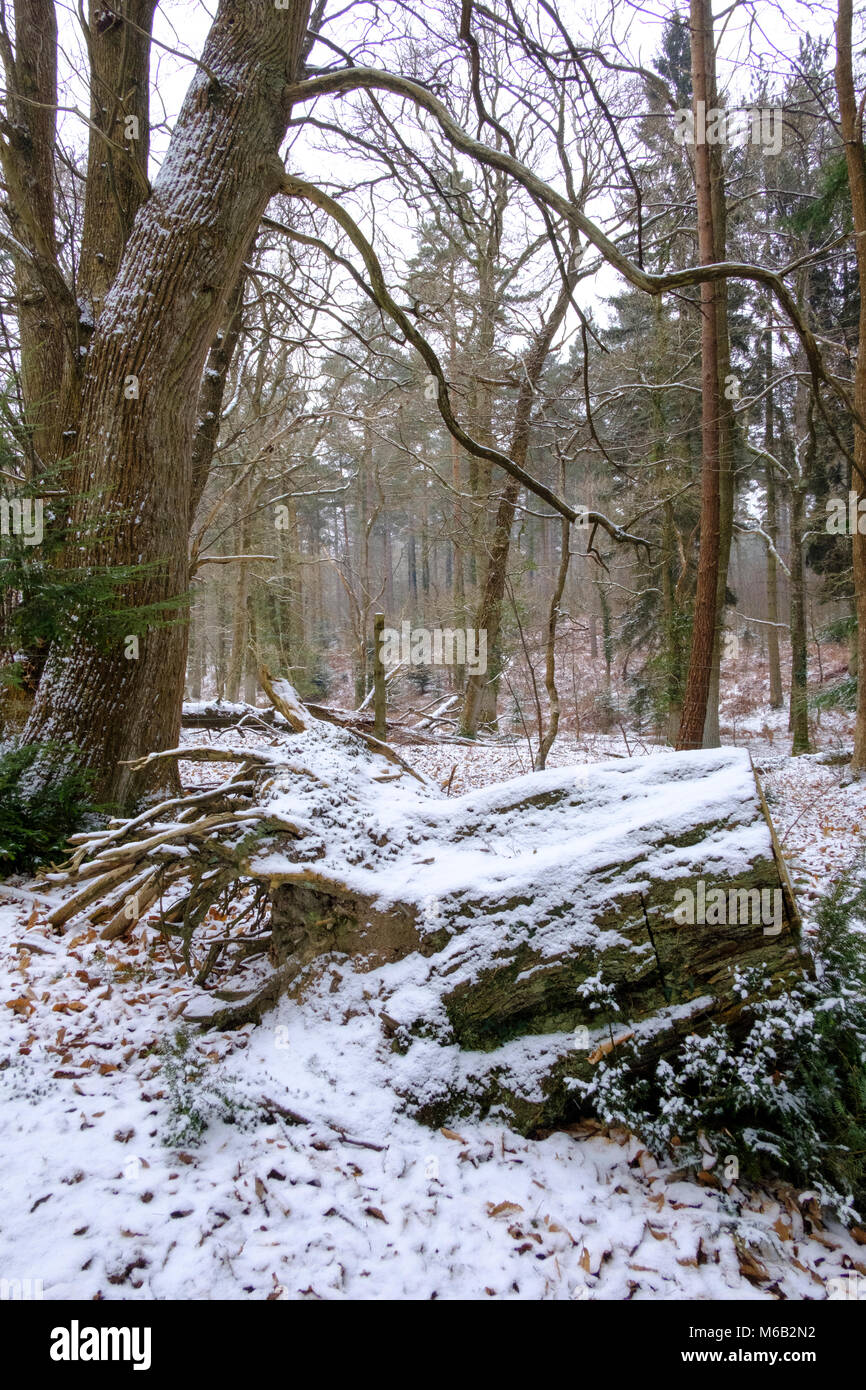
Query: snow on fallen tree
(498, 933)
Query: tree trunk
(852, 135)
(119, 143)
(674, 644)
(240, 616)
(212, 391)
(159, 319)
(546, 743)
(704, 625)
(45, 308)
(773, 533)
(380, 717)
(489, 615)
(799, 720)
(727, 425)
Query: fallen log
(518, 934)
(624, 897)
(542, 918)
(221, 716)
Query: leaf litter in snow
(309, 1181)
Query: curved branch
(347, 80)
(378, 290)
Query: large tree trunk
(54, 326)
(480, 470)
(212, 392)
(119, 141)
(704, 625)
(45, 308)
(852, 135)
(727, 423)
(159, 319)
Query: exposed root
(191, 854)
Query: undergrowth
(785, 1099)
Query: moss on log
(515, 935)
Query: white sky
(751, 37)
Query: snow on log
(284, 698)
(493, 925)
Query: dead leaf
(21, 1005)
(503, 1208)
(750, 1267)
(607, 1046)
(782, 1230)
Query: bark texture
(704, 629)
(159, 318)
(851, 118)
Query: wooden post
(380, 727)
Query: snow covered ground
(308, 1181)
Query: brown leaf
(607, 1046)
(822, 1240)
(503, 1208)
(750, 1267)
(21, 1005)
(555, 1229)
(806, 1270)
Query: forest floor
(102, 1199)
